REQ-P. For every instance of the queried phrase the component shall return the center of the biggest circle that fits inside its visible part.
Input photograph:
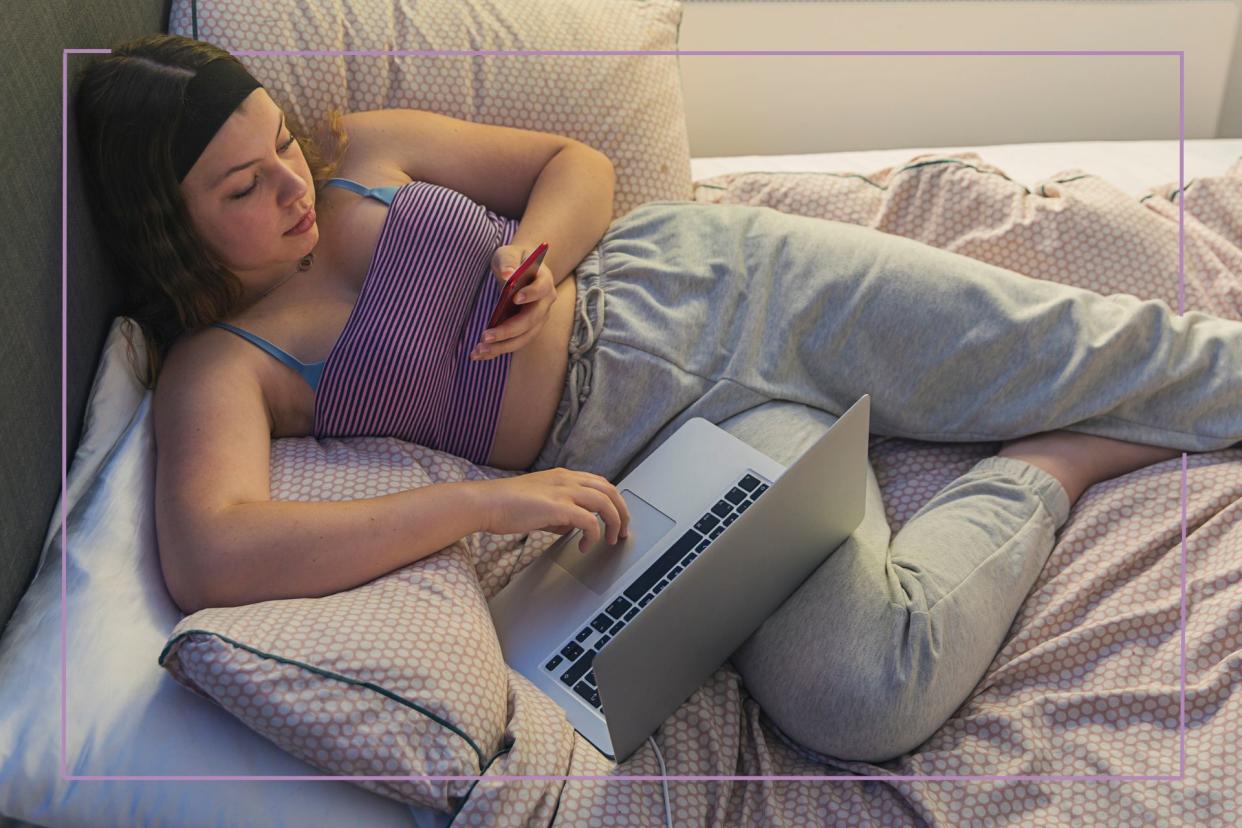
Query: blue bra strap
(310, 373)
(384, 194)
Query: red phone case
(523, 276)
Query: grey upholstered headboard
(30, 316)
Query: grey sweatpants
(771, 325)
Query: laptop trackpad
(600, 565)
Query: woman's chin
(307, 240)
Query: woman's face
(245, 192)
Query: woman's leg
(715, 314)
(889, 636)
(748, 303)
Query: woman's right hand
(556, 500)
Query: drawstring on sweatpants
(579, 366)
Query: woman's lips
(303, 225)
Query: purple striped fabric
(401, 367)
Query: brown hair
(173, 284)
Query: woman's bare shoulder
(212, 436)
(205, 369)
(206, 349)
(366, 160)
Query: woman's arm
(223, 542)
(570, 207)
(264, 550)
(560, 187)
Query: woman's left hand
(535, 302)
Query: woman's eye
(245, 193)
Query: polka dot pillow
(399, 676)
(629, 107)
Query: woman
(235, 236)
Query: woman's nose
(295, 188)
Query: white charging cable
(668, 807)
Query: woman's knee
(872, 723)
(862, 694)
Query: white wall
(1230, 123)
(740, 105)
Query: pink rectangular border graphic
(1181, 299)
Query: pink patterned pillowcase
(630, 107)
(400, 676)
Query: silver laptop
(720, 535)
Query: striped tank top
(401, 366)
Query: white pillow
(125, 715)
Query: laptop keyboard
(571, 664)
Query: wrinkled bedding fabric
(1088, 683)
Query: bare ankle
(1079, 460)
(1059, 467)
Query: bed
(1087, 685)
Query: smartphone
(523, 276)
